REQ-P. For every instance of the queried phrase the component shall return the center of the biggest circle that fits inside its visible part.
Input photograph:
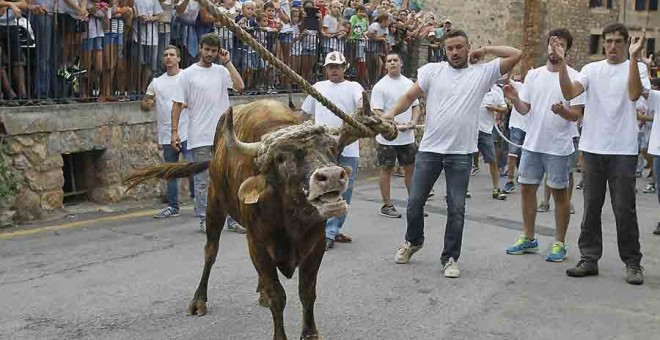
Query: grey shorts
(533, 165)
(572, 158)
(517, 136)
(486, 146)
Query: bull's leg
(308, 274)
(263, 300)
(270, 284)
(215, 222)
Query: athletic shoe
(168, 212)
(523, 245)
(557, 253)
(388, 210)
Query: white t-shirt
(453, 97)
(204, 90)
(494, 97)
(164, 89)
(517, 120)
(609, 125)
(383, 96)
(148, 31)
(654, 106)
(346, 95)
(547, 132)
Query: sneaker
(509, 187)
(329, 243)
(168, 212)
(475, 170)
(657, 229)
(582, 269)
(202, 224)
(405, 252)
(451, 268)
(388, 210)
(572, 209)
(498, 194)
(543, 207)
(237, 228)
(649, 188)
(523, 245)
(634, 274)
(557, 253)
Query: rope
(387, 129)
(504, 137)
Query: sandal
(341, 238)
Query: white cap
(334, 57)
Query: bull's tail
(165, 171)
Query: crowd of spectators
(59, 51)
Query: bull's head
(297, 165)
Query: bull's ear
(252, 189)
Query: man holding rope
(548, 146)
(454, 90)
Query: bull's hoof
(263, 301)
(310, 337)
(197, 307)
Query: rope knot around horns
(301, 133)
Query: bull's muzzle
(326, 186)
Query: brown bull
(278, 178)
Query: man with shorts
(204, 89)
(454, 90)
(517, 128)
(383, 96)
(609, 148)
(547, 148)
(492, 106)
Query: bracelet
(227, 62)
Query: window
(653, 5)
(594, 44)
(643, 5)
(610, 4)
(599, 3)
(650, 46)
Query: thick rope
(301, 133)
(386, 128)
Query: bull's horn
(232, 142)
(366, 105)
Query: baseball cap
(334, 57)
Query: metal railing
(57, 58)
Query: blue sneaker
(522, 246)
(509, 187)
(557, 253)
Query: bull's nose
(329, 175)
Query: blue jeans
(428, 167)
(172, 156)
(202, 154)
(334, 224)
(46, 47)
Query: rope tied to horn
(302, 134)
(374, 125)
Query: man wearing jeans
(454, 90)
(347, 95)
(43, 24)
(204, 89)
(160, 93)
(609, 146)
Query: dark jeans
(656, 170)
(172, 156)
(46, 56)
(428, 167)
(619, 172)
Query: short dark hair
(360, 8)
(396, 53)
(562, 33)
(616, 27)
(456, 33)
(172, 47)
(269, 5)
(210, 40)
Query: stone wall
(117, 137)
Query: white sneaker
(451, 268)
(405, 252)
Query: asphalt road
(132, 277)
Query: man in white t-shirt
(609, 148)
(492, 105)
(517, 128)
(204, 89)
(548, 146)
(383, 96)
(160, 93)
(347, 95)
(652, 98)
(454, 90)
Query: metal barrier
(57, 58)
